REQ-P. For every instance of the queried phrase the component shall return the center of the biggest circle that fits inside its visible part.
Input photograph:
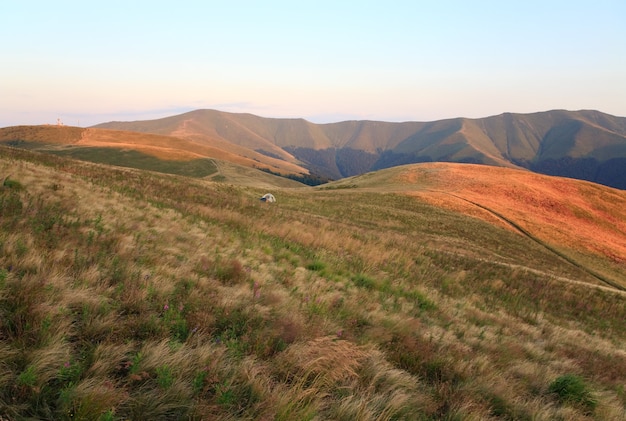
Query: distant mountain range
(587, 145)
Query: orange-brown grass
(171, 147)
(133, 295)
(561, 211)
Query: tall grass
(134, 295)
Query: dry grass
(180, 145)
(591, 218)
(131, 295)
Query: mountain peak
(584, 144)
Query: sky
(86, 62)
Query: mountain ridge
(585, 144)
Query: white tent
(268, 197)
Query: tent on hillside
(268, 197)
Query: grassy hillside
(568, 217)
(127, 294)
(135, 149)
(211, 126)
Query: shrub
(572, 389)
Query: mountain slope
(128, 294)
(570, 218)
(586, 145)
(135, 148)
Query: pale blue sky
(88, 62)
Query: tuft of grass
(230, 272)
(572, 389)
(28, 377)
(363, 281)
(12, 184)
(11, 204)
(316, 266)
(165, 377)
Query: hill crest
(85, 142)
(586, 144)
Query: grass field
(133, 159)
(127, 294)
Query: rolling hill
(419, 292)
(587, 145)
(571, 218)
(169, 154)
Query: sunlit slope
(587, 145)
(245, 130)
(571, 217)
(165, 148)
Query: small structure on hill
(268, 197)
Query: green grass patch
(316, 266)
(197, 168)
(364, 281)
(572, 389)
